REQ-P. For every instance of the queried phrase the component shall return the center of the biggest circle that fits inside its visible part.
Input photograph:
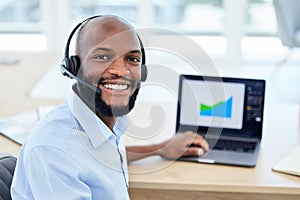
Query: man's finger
(200, 142)
(193, 151)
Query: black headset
(70, 64)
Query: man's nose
(118, 67)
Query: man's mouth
(118, 87)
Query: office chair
(288, 23)
(7, 168)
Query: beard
(115, 111)
(95, 102)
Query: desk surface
(15, 83)
(154, 178)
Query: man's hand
(184, 144)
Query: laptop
(227, 112)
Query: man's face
(111, 60)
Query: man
(77, 150)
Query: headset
(70, 64)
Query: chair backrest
(7, 168)
(288, 21)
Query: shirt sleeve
(54, 174)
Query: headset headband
(74, 31)
(71, 65)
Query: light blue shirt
(72, 154)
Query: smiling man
(77, 151)
(117, 66)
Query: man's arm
(51, 174)
(185, 144)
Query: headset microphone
(90, 86)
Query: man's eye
(102, 57)
(134, 59)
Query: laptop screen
(234, 105)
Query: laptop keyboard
(221, 144)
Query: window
(187, 16)
(221, 24)
(20, 16)
(196, 17)
(260, 20)
(20, 26)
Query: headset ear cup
(144, 72)
(75, 62)
(65, 66)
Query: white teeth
(115, 86)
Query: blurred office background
(229, 27)
(234, 33)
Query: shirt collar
(121, 125)
(94, 127)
